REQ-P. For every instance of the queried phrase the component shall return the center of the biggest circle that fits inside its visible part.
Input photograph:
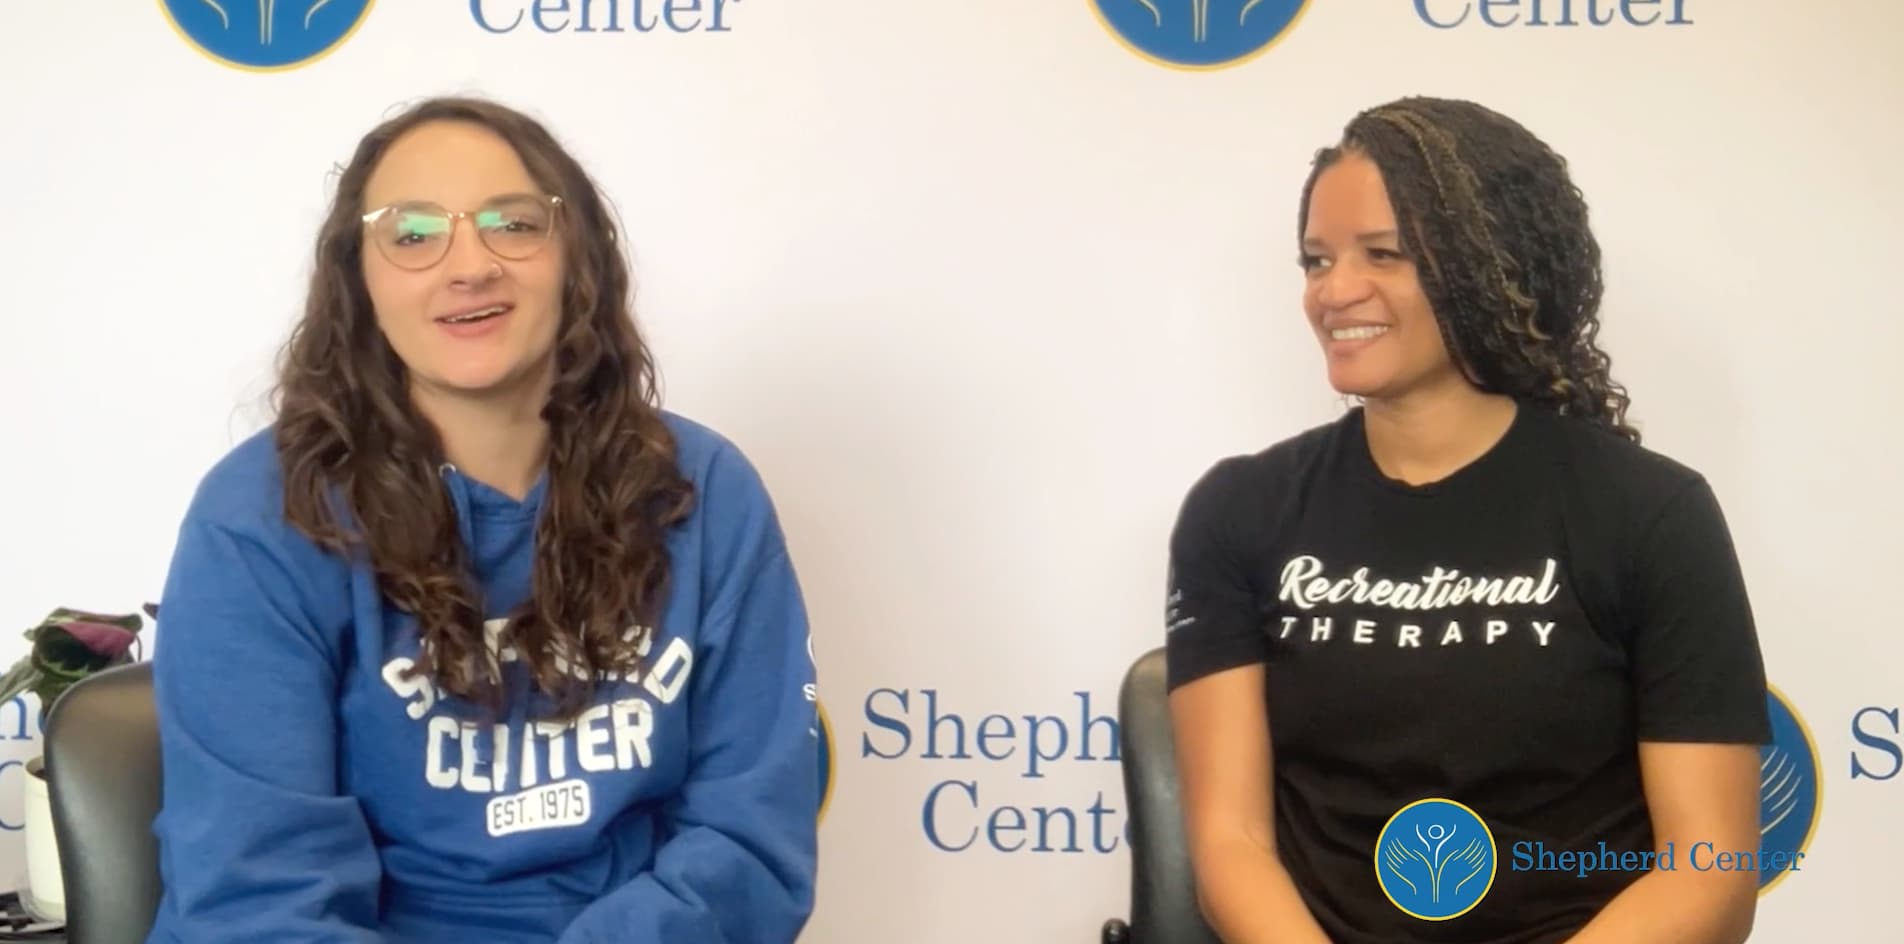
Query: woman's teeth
(1360, 333)
(476, 315)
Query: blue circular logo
(266, 35)
(1435, 859)
(1199, 34)
(1789, 790)
(826, 761)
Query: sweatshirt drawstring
(466, 527)
(459, 499)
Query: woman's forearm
(1247, 897)
(1677, 907)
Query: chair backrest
(102, 776)
(1163, 892)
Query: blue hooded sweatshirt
(313, 795)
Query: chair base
(19, 923)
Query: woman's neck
(501, 442)
(1428, 435)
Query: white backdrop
(982, 290)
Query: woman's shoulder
(696, 443)
(241, 495)
(709, 458)
(243, 488)
(1267, 486)
(1281, 463)
(1619, 492)
(1601, 460)
(235, 542)
(732, 499)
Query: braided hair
(1500, 236)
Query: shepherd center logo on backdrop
(1504, 14)
(992, 787)
(266, 35)
(822, 732)
(1436, 859)
(1199, 34)
(276, 35)
(1214, 34)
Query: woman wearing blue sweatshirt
(476, 642)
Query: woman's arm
(1704, 803)
(257, 840)
(1700, 693)
(739, 864)
(1225, 768)
(1217, 648)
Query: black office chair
(102, 777)
(1163, 893)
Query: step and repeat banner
(982, 287)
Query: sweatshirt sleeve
(256, 841)
(738, 866)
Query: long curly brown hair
(1504, 250)
(361, 463)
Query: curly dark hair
(1504, 250)
(361, 464)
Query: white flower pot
(45, 894)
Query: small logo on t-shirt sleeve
(1174, 616)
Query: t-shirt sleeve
(1212, 621)
(1698, 671)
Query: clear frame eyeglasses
(417, 234)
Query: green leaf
(18, 679)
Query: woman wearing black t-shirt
(1475, 587)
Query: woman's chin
(477, 381)
(1353, 383)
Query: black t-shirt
(1503, 638)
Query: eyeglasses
(417, 234)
